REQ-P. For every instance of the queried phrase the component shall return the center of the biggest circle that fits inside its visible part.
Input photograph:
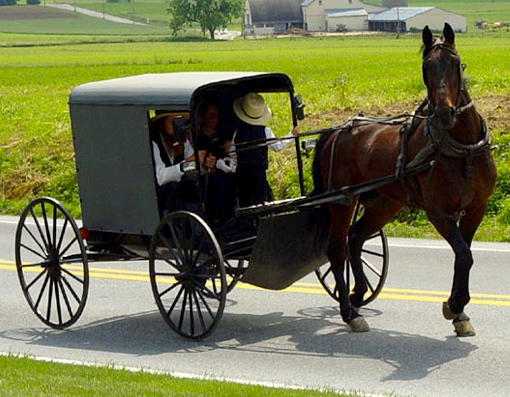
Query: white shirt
(173, 173)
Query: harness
(440, 142)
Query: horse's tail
(318, 186)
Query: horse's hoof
(359, 324)
(447, 313)
(464, 328)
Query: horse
(446, 132)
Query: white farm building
(277, 16)
(409, 18)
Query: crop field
(337, 77)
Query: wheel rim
(52, 263)
(187, 275)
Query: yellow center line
(298, 287)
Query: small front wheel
(52, 263)
(187, 275)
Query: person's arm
(280, 145)
(165, 174)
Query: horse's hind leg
(337, 254)
(377, 213)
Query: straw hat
(161, 114)
(252, 109)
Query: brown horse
(447, 132)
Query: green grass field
(37, 73)
(21, 377)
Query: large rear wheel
(187, 275)
(52, 263)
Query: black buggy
(191, 267)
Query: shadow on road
(316, 331)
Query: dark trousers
(175, 196)
(220, 196)
(252, 186)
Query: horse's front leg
(453, 309)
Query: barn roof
(402, 13)
(271, 12)
(358, 12)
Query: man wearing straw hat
(253, 113)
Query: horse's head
(442, 74)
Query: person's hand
(209, 161)
(201, 156)
(295, 130)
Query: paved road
(292, 337)
(90, 13)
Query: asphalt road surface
(293, 337)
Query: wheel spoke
(57, 300)
(175, 265)
(46, 226)
(199, 311)
(191, 317)
(32, 251)
(27, 287)
(371, 267)
(177, 242)
(168, 289)
(41, 292)
(369, 284)
(50, 296)
(75, 239)
(176, 300)
(39, 229)
(202, 298)
(54, 225)
(62, 234)
(183, 308)
(66, 299)
(33, 238)
(372, 253)
(71, 289)
(38, 264)
(82, 281)
(199, 250)
(203, 287)
(375, 235)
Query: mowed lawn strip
(22, 376)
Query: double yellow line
(302, 287)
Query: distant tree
(7, 2)
(210, 14)
(33, 2)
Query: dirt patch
(9, 13)
(494, 108)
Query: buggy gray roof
(172, 88)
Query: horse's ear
(428, 39)
(448, 34)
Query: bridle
(458, 109)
